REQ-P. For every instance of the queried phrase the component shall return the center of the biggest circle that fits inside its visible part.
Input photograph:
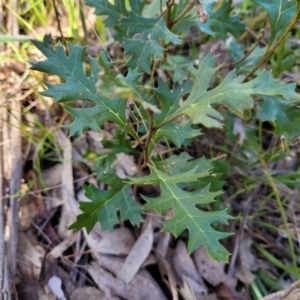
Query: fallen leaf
(166, 269)
(186, 269)
(138, 254)
(213, 272)
(142, 286)
(87, 292)
(58, 250)
(67, 215)
(117, 242)
(247, 262)
(30, 255)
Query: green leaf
(220, 21)
(231, 92)
(119, 144)
(183, 162)
(78, 85)
(284, 58)
(237, 51)
(178, 64)
(187, 214)
(114, 12)
(176, 133)
(281, 13)
(169, 98)
(102, 208)
(284, 116)
(104, 203)
(142, 49)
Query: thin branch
(183, 13)
(58, 19)
(170, 3)
(229, 65)
(84, 28)
(149, 136)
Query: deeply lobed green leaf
(231, 92)
(284, 116)
(78, 85)
(102, 208)
(220, 20)
(187, 214)
(147, 46)
(281, 13)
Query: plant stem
(183, 13)
(277, 44)
(170, 3)
(149, 136)
(283, 216)
(247, 54)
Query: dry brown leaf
(45, 294)
(142, 286)
(186, 269)
(28, 210)
(87, 292)
(30, 256)
(246, 262)
(67, 215)
(213, 272)
(125, 165)
(166, 269)
(138, 254)
(163, 243)
(94, 140)
(116, 242)
(53, 175)
(187, 292)
(64, 245)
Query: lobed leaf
(78, 85)
(281, 13)
(142, 49)
(231, 92)
(187, 214)
(102, 208)
(283, 115)
(220, 20)
(114, 11)
(176, 133)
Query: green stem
(276, 262)
(272, 50)
(247, 54)
(283, 216)
(170, 3)
(183, 13)
(149, 136)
